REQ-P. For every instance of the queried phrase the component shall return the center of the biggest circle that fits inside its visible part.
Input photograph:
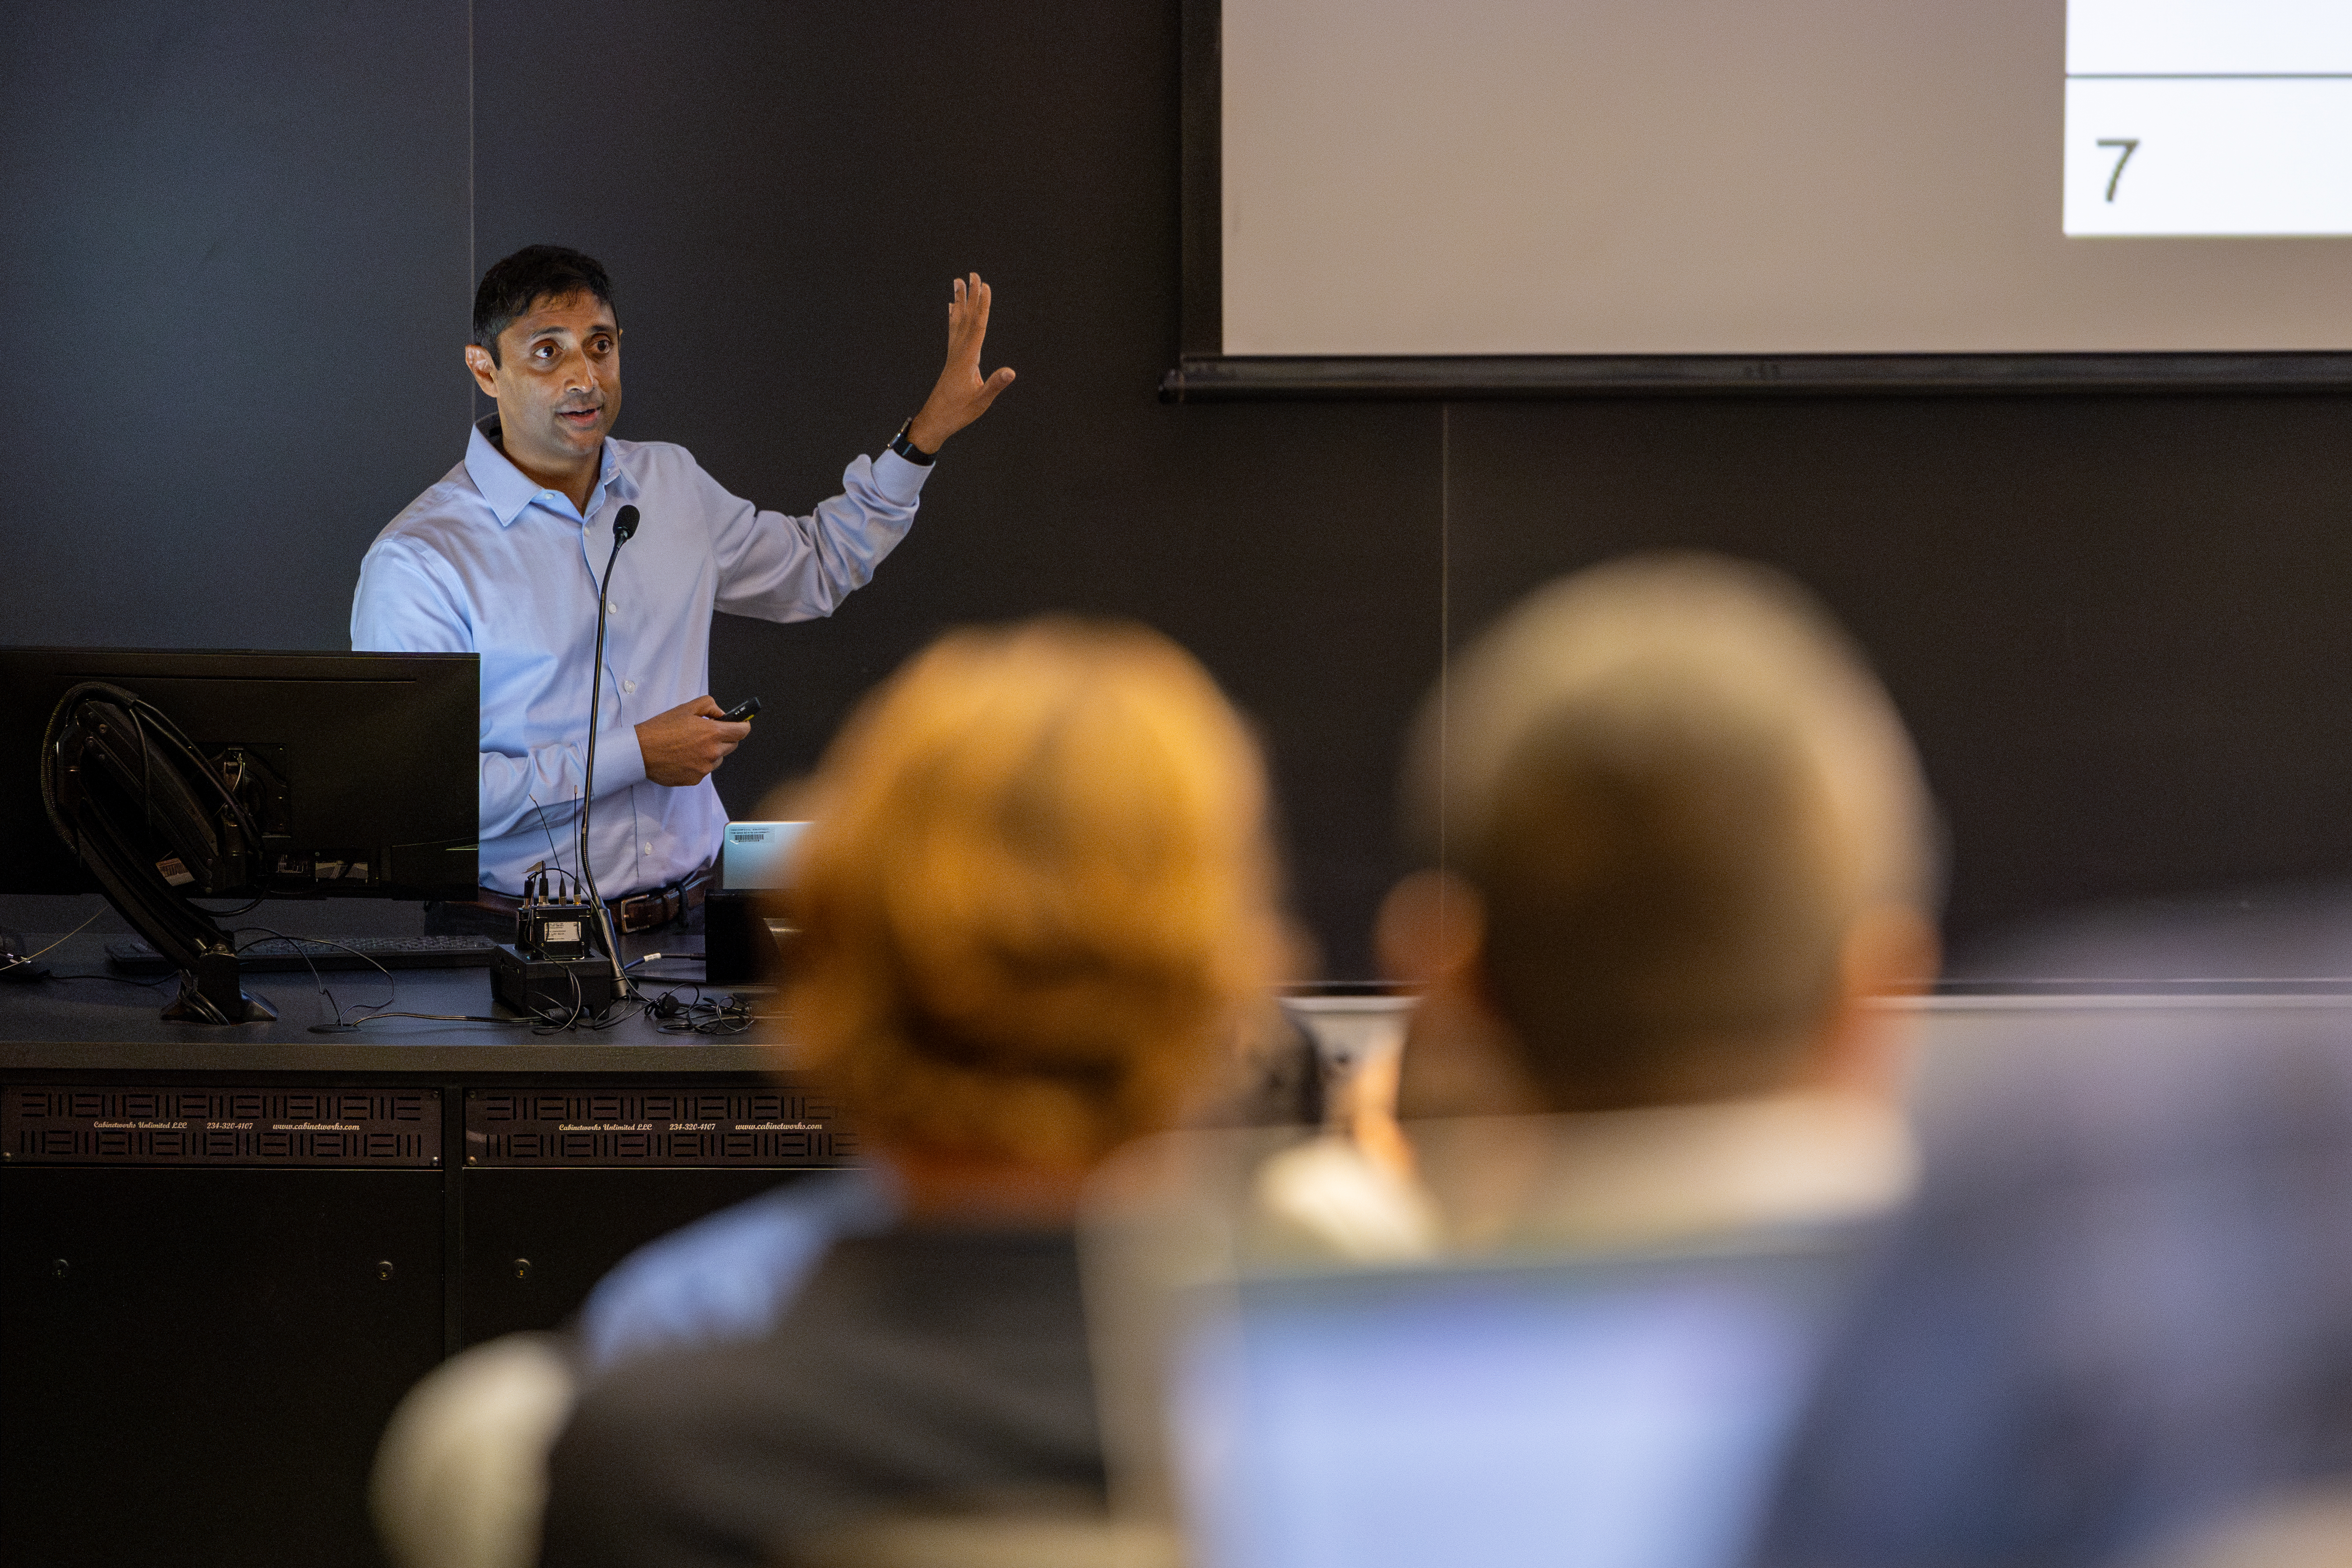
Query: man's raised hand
(961, 396)
(685, 745)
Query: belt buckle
(635, 905)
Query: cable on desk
(542, 1021)
(23, 959)
(725, 1014)
(363, 1013)
(301, 945)
(614, 1014)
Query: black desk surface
(59, 1024)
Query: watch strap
(907, 449)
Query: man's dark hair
(535, 272)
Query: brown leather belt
(648, 910)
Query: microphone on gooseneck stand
(624, 524)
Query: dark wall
(233, 235)
(235, 279)
(2115, 625)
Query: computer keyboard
(271, 952)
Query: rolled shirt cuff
(899, 480)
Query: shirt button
(628, 686)
(613, 605)
(649, 846)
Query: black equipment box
(542, 987)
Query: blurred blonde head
(1037, 895)
(1693, 821)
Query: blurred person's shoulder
(915, 1366)
(729, 1276)
(2051, 1104)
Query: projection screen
(1769, 190)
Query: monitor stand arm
(211, 987)
(212, 992)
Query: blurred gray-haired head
(1679, 791)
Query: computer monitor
(302, 775)
(757, 856)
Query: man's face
(558, 382)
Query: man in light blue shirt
(501, 558)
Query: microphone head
(624, 526)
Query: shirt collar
(510, 491)
(1565, 1186)
(1671, 1172)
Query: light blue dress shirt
(487, 561)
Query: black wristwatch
(908, 450)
